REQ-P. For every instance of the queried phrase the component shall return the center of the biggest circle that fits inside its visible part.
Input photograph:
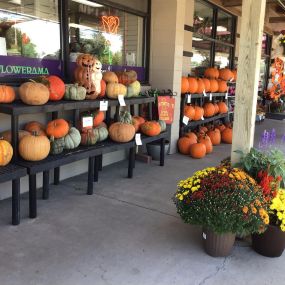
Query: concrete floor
(128, 232)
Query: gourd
(189, 111)
(56, 145)
(198, 150)
(98, 118)
(162, 125)
(223, 108)
(227, 135)
(7, 135)
(35, 126)
(184, 85)
(57, 128)
(34, 147)
(226, 74)
(215, 136)
(74, 92)
(209, 110)
(151, 128)
(7, 94)
(207, 84)
(184, 144)
(113, 90)
(6, 152)
(33, 93)
(207, 142)
(110, 77)
(127, 77)
(72, 139)
(89, 138)
(134, 89)
(102, 133)
(193, 85)
(201, 86)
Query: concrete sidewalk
(128, 232)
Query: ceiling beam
(234, 3)
(277, 19)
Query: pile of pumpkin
(198, 144)
(196, 113)
(215, 81)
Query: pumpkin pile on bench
(199, 143)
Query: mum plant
(222, 199)
(277, 210)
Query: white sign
(121, 100)
(138, 139)
(211, 96)
(204, 92)
(87, 122)
(189, 97)
(202, 118)
(227, 95)
(103, 105)
(204, 236)
(185, 120)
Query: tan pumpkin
(7, 135)
(223, 108)
(199, 113)
(110, 77)
(209, 110)
(6, 152)
(207, 142)
(113, 90)
(184, 144)
(34, 147)
(198, 150)
(35, 126)
(7, 94)
(227, 135)
(32, 93)
(215, 136)
(121, 132)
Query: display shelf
(275, 116)
(201, 96)
(194, 124)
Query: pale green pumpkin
(126, 117)
(162, 125)
(72, 139)
(56, 145)
(74, 92)
(134, 89)
(102, 133)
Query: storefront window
(201, 55)
(29, 38)
(203, 19)
(222, 56)
(224, 27)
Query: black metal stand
(33, 196)
(16, 201)
(132, 153)
(162, 151)
(56, 176)
(96, 168)
(90, 175)
(46, 185)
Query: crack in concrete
(218, 269)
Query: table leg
(46, 185)
(90, 175)
(96, 168)
(56, 176)
(16, 201)
(131, 162)
(162, 151)
(15, 131)
(33, 196)
(100, 168)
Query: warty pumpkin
(7, 94)
(184, 85)
(151, 128)
(193, 85)
(6, 152)
(198, 150)
(209, 110)
(33, 93)
(113, 90)
(184, 144)
(57, 128)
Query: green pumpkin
(126, 117)
(102, 133)
(162, 125)
(74, 92)
(134, 89)
(89, 138)
(56, 145)
(72, 139)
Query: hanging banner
(166, 106)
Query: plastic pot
(153, 149)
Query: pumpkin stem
(35, 133)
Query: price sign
(185, 120)
(189, 98)
(227, 95)
(211, 96)
(202, 118)
(138, 139)
(204, 92)
(103, 105)
(121, 100)
(87, 122)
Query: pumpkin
(207, 142)
(217, 110)
(227, 135)
(110, 77)
(113, 90)
(198, 150)
(56, 87)
(162, 125)
(35, 126)
(134, 89)
(140, 119)
(57, 128)
(207, 84)
(193, 85)
(98, 118)
(72, 139)
(215, 136)
(223, 87)
(6, 152)
(201, 86)
(151, 128)
(89, 137)
(103, 89)
(7, 135)
(102, 133)
(220, 127)
(86, 60)
(121, 132)
(223, 108)
(7, 94)
(126, 77)
(74, 92)
(234, 74)
(199, 113)
(34, 147)
(189, 111)
(56, 145)
(136, 124)
(184, 85)
(214, 86)
(125, 117)
(209, 110)
(184, 144)
(33, 93)
(226, 74)
(191, 135)
(212, 73)
(203, 129)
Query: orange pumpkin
(35, 126)
(140, 119)
(198, 150)
(227, 135)
(151, 128)
(184, 85)
(184, 144)
(226, 74)
(207, 84)
(191, 135)
(189, 111)
(199, 113)
(56, 87)
(201, 86)
(235, 74)
(98, 118)
(223, 87)
(103, 89)
(209, 110)
(110, 77)
(57, 128)
(214, 86)
(193, 85)
(207, 142)
(215, 136)
(220, 127)
(223, 108)
(212, 73)
(217, 110)
(203, 129)
(137, 122)
(7, 94)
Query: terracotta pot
(271, 243)
(218, 245)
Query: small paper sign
(204, 236)
(185, 120)
(189, 98)
(232, 79)
(202, 118)
(87, 122)
(121, 100)
(204, 92)
(227, 95)
(211, 96)
(103, 105)
(138, 139)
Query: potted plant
(225, 201)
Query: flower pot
(153, 149)
(271, 243)
(218, 245)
